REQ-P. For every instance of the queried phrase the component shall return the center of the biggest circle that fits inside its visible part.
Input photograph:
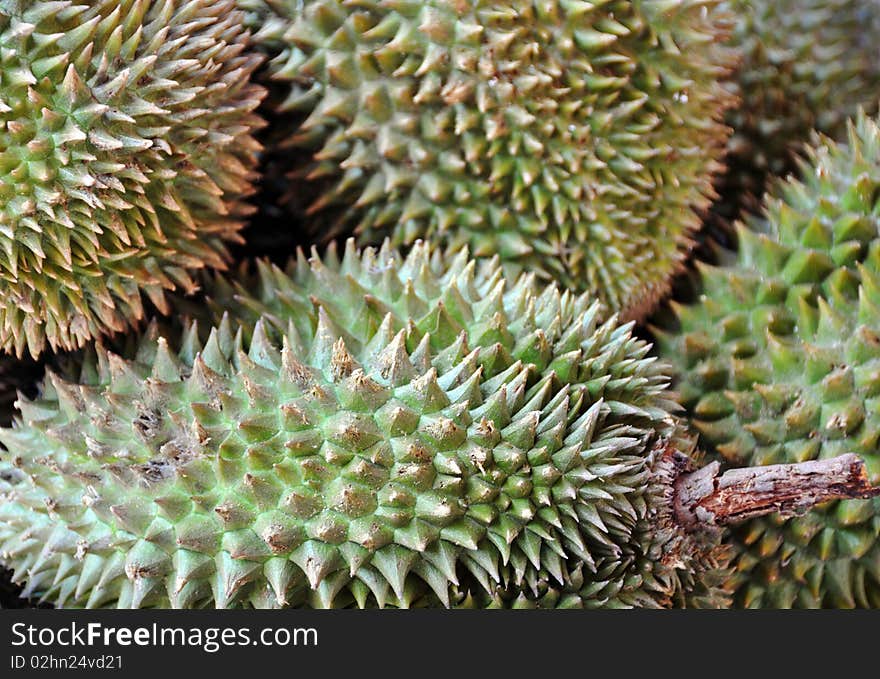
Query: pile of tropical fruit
(439, 303)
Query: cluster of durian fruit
(448, 395)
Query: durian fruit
(126, 153)
(806, 65)
(376, 431)
(695, 583)
(573, 138)
(780, 362)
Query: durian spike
(706, 498)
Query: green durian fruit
(126, 153)
(806, 65)
(377, 431)
(644, 580)
(780, 362)
(573, 138)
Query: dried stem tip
(706, 498)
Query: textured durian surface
(572, 138)
(126, 153)
(806, 65)
(780, 362)
(370, 430)
(697, 579)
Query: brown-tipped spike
(706, 498)
(293, 370)
(342, 363)
(393, 363)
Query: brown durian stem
(705, 498)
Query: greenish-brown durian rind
(780, 362)
(126, 156)
(806, 65)
(378, 430)
(572, 138)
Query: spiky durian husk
(779, 363)
(677, 569)
(126, 151)
(378, 430)
(806, 65)
(573, 138)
